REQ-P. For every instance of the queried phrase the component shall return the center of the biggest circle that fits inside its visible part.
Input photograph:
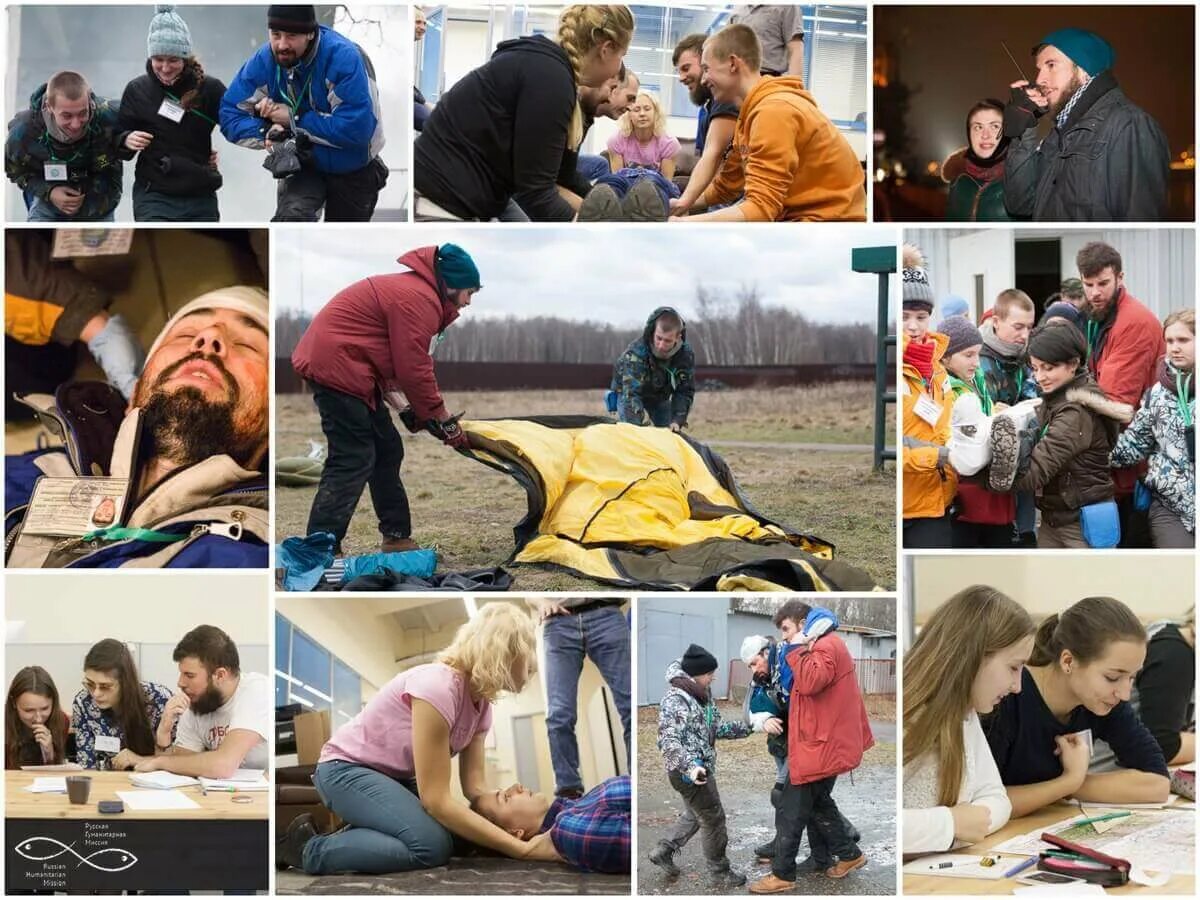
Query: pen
(1104, 818)
(1020, 867)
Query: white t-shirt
(248, 709)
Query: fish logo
(41, 849)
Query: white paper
(49, 785)
(964, 866)
(160, 780)
(149, 800)
(108, 743)
(1159, 842)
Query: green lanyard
(179, 103)
(1020, 380)
(121, 533)
(1093, 332)
(985, 399)
(1181, 391)
(293, 102)
(50, 150)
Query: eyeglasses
(93, 688)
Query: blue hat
(953, 305)
(457, 268)
(1061, 309)
(169, 34)
(1089, 51)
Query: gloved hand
(453, 435)
(1021, 113)
(697, 774)
(409, 418)
(119, 354)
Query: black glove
(1021, 113)
(450, 433)
(410, 421)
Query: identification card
(928, 410)
(73, 507)
(55, 171)
(107, 743)
(171, 110)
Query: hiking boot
(398, 545)
(723, 874)
(810, 866)
(846, 866)
(771, 884)
(289, 849)
(765, 852)
(644, 203)
(663, 856)
(601, 205)
(1006, 450)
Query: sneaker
(846, 866)
(398, 545)
(644, 203)
(601, 205)
(289, 849)
(663, 855)
(1006, 447)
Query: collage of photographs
(843, 547)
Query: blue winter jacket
(332, 93)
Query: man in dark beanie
(312, 84)
(689, 724)
(368, 345)
(1117, 165)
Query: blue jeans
(389, 830)
(592, 167)
(1026, 512)
(626, 178)
(45, 211)
(602, 635)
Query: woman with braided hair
(494, 143)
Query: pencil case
(1083, 863)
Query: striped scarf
(1065, 112)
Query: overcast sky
(614, 276)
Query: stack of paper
(163, 781)
(49, 786)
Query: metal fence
(875, 676)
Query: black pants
(810, 805)
(974, 534)
(364, 449)
(349, 197)
(928, 533)
(1135, 525)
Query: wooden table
(53, 844)
(932, 884)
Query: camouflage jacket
(689, 729)
(641, 379)
(94, 162)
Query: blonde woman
(494, 143)
(642, 140)
(968, 657)
(387, 772)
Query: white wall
(347, 628)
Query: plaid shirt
(592, 833)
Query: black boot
(289, 849)
(766, 852)
(663, 856)
(722, 874)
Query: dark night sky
(954, 55)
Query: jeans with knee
(602, 635)
(592, 167)
(45, 211)
(389, 830)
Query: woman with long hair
(493, 145)
(387, 772)
(1075, 690)
(967, 658)
(115, 714)
(167, 117)
(35, 726)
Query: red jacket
(378, 334)
(828, 730)
(1125, 363)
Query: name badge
(108, 744)
(73, 507)
(55, 171)
(928, 410)
(171, 110)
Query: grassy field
(466, 511)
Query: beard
(1073, 86)
(208, 702)
(186, 427)
(1099, 315)
(699, 94)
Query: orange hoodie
(928, 488)
(790, 160)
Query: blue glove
(119, 354)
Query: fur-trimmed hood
(954, 165)
(1093, 398)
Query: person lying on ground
(590, 833)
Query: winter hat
(962, 334)
(953, 305)
(917, 292)
(249, 301)
(1058, 341)
(293, 19)
(752, 646)
(457, 268)
(1089, 51)
(698, 661)
(1071, 287)
(169, 34)
(1067, 311)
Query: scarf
(1005, 349)
(920, 357)
(985, 171)
(1065, 112)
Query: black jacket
(176, 162)
(500, 133)
(1165, 695)
(1108, 163)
